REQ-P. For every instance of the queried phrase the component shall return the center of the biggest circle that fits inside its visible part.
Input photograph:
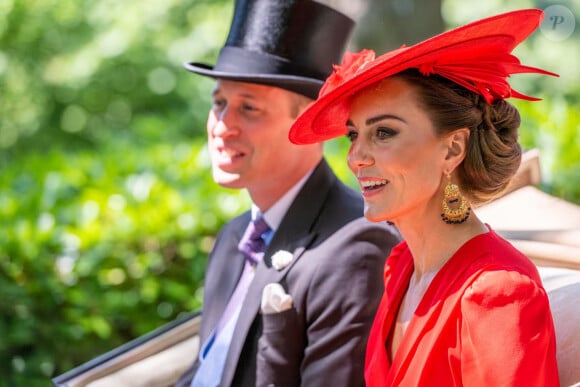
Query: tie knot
(257, 228)
(252, 244)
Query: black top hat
(290, 44)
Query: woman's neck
(432, 243)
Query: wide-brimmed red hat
(477, 56)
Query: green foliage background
(107, 207)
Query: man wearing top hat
(322, 259)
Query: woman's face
(395, 153)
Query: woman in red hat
(431, 134)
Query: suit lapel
(296, 232)
(224, 275)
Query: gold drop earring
(455, 207)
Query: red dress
(483, 321)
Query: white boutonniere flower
(281, 259)
(275, 299)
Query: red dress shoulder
(484, 320)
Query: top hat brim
(461, 49)
(306, 86)
(290, 44)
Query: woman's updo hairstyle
(493, 153)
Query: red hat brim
(465, 55)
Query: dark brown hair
(493, 152)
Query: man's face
(248, 141)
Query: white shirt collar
(276, 213)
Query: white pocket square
(275, 299)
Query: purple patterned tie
(252, 245)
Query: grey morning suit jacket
(336, 282)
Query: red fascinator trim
(352, 63)
(477, 56)
(482, 67)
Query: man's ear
(456, 142)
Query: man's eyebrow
(217, 92)
(249, 94)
